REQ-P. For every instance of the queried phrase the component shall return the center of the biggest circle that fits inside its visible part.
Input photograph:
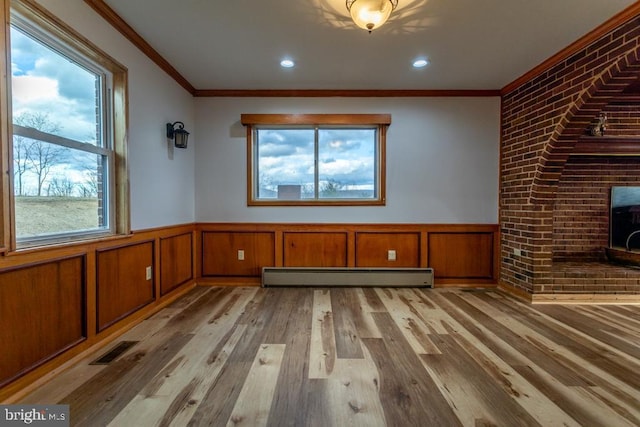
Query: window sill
(70, 244)
(346, 202)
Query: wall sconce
(179, 135)
(370, 14)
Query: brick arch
(542, 120)
(597, 93)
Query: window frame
(114, 102)
(254, 121)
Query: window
(316, 159)
(67, 145)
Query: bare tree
(89, 188)
(308, 190)
(331, 188)
(43, 158)
(35, 156)
(21, 153)
(60, 188)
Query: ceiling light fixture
(287, 63)
(420, 63)
(370, 14)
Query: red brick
(554, 206)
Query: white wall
(442, 160)
(161, 178)
(442, 153)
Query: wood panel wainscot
(60, 302)
(124, 285)
(315, 249)
(233, 253)
(176, 261)
(461, 254)
(397, 249)
(42, 312)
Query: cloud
(296, 169)
(45, 82)
(351, 172)
(290, 143)
(346, 156)
(276, 150)
(74, 82)
(27, 89)
(354, 141)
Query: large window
(316, 159)
(67, 142)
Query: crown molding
(352, 93)
(130, 34)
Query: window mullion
(316, 172)
(376, 164)
(256, 164)
(58, 140)
(106, 133)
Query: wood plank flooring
(363, 357)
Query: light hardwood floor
(370, 357)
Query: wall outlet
(391, 255)
(148, 273)
(517, 252)
(240, 255)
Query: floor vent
(338, 276)
(114, 353)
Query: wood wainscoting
(326, 249)
(240, 253)
(460, 254)
(123, 286)
(58, 303)
(176, 261)
(42, 312)
(61, 302)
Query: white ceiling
(472, 44)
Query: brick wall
(542, 120)
(582, 205)
(623, 120)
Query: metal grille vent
(114, 353)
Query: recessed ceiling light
(420, 63)
(287, 63)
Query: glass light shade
(181, 137)
(370, 14)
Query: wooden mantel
(607, 146)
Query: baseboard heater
(339, 276)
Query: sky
(345, 156)
(44, 82)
